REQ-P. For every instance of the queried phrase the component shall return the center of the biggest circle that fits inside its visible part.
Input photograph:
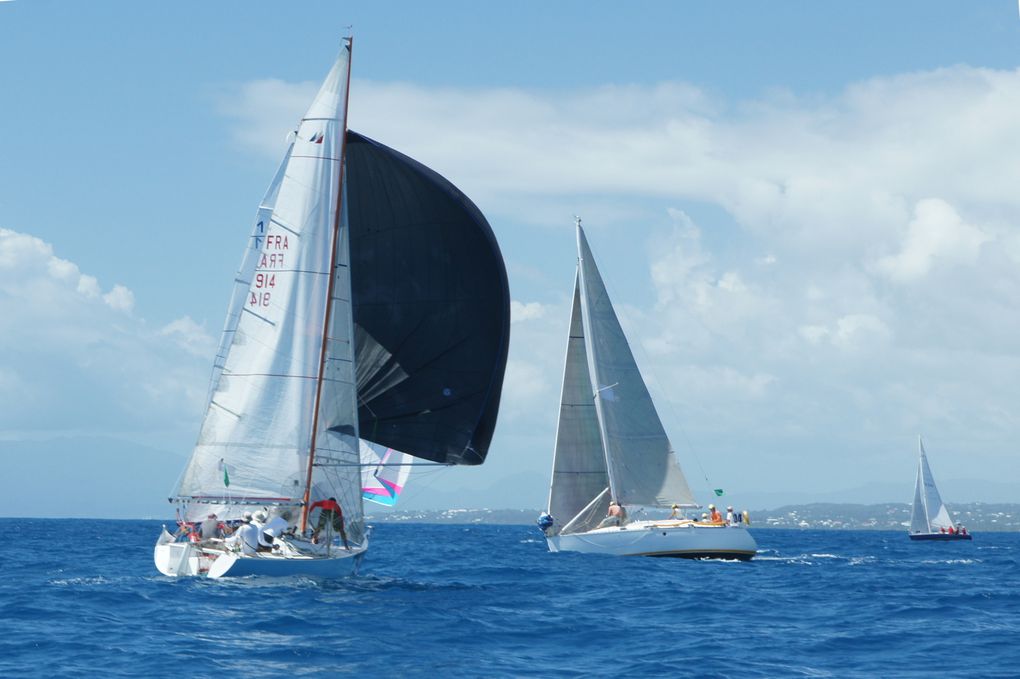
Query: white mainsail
(579, 462)
(640, 466)
(256, 437)
(928, 513)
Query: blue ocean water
(82, 598)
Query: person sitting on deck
(715, 516)
(211, 528)
(331, 514)
(616, 516)
(951, 530)
(265, 542)
(675, 514)
(729, 515)
(246, 536)
(279, 524)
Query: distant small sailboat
(611, 448)
(929, 518)
(369, 323)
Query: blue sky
(806, 214)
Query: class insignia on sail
(368, 325)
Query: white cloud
(266, 111)
(190, 336)
(73, 358)
(526, 311)
(936, 233)
(120, 298)
(526, 387)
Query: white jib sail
(255, 438)
(642, 465)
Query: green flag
(718, 492)
(226, 477)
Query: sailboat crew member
(246, 536)
(330, 512)
(616, 516)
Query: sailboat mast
(349, 45)
(614, 488)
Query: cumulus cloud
(526, 311)
(190, 336)
(265, 111)
(73, 349)
(937, 233)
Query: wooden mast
(349, 45)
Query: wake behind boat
(369, 323)
(929, 518)
(612, 451)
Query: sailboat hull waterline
(684, 540)
(189, 559)
(939, 537)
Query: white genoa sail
(256, 437)
(642, 465)
(928, 513)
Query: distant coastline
(977, 516)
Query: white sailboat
(929, 518)
(371, 303)
(611, 447)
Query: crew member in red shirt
(330, 512)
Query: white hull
(661, 538)
(189, 559)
